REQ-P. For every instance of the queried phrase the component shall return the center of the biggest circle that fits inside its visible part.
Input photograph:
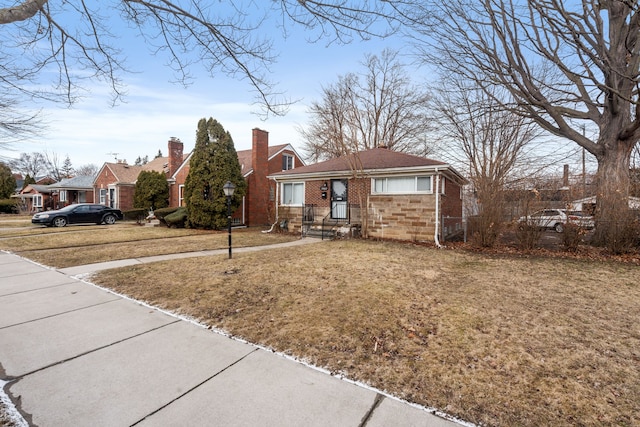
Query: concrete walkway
(74, 354)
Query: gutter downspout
(437, 188)
(276, 203)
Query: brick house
(78, 189)
(397, 190)
(256, 164)
(115, 183)
(37, 198)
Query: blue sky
(93, 131)
(155, 109)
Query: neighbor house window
(287, 162)
(403, 184)
(181, 195)
(37, 201)
(293, 193)
(63, 195)
(103, 196)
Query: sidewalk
(74, 354)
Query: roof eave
(371, 173)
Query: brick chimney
(258, 183)
(175, 154)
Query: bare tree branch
(379, 106)
(73, 41)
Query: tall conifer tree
(214, 162)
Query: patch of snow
(10, 412)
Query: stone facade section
(390, 216)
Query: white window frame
(103, 196)
(294, 185)
(63, 195)
(37, 201)
(287, 164)
(383, 184)
(181, 195)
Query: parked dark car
(82, 213)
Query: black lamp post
(228, 189)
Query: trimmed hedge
(162, 213)
(137, 215)
(176, 219)
(9, 206)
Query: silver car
(556, 219)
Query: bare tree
(564, 64)
(492, 141)
(87, 170)
(55, 169)
(379, 106)
(15, 125)
(32, 164)
(73, 42)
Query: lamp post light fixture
(228, 189)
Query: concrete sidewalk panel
(43, 278)
(123, 383)
(8, 258)
(268, 390)
(38, 304)
(392, 412)
(34, 345)
(20, 268)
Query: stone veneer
(402, 217)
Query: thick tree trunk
(612, 196)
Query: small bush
(162, 213)
(572, 236)
(528, 236)
(9, 206)
(176, 219)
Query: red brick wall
(176, 149)
(451, 207)
(104, 178)
(257, 199)
(174, 196)
(124, 192)
(125, 196)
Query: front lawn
(88, 244)
(495, 340)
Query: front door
(339, 198)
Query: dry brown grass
(80, 245)
(493, 340)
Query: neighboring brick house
(115, 183)
(78, 189)
(397, 190)
(37, 198)
(256, 164)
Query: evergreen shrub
(9, 206)
(176, 219)
(162, 213)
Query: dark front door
(339, 198)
